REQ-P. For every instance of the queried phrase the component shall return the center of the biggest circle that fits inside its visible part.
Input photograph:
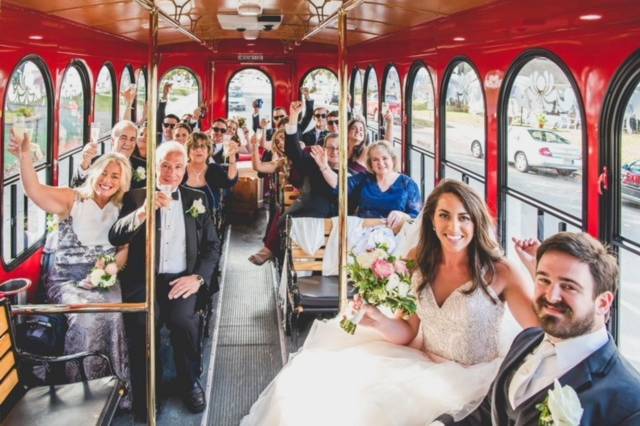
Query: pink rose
(111, 268)
(100, 263)
(382, 269)
(401, 267)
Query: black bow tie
(174, 194)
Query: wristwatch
(200, 280)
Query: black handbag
(42, 334)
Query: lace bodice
(465, 329)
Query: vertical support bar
(343, 78)
(150, 265)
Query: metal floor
(248, 350)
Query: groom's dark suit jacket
(202, 243)
(607, 386)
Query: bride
(408, 372)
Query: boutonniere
(139, 174)
(197, 208)
(561, 407)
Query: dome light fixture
(250, 34)
(249, 7)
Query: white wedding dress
(363, 380)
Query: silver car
(531, 149)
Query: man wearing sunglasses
(316, 135)
(332, 122)
(279, 113)
(166, 122)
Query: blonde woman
(86, 214)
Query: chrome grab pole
(150, 264)
(343, 203)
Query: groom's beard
(567, 325)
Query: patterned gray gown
(101, 332)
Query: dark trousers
(183, 321)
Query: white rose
(392, 282)
(564, 405)
(366, 259)
(96, 276)
(198, 206)
(141, 173)
(403, 289)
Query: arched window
(393, 101)
(27, 108)
(421, 112)
(244, 88)
(141, 96)
(542, 153)
(127, 82)
(620, 219)
(323, 89)
(357, 84)
(72, 124)
(104, 105)
(371, 108)
(464, 126)
(185, 94)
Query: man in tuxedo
(187, 252)
(575, 285)
(316, 135)
(124, 136)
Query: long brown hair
(484, 250)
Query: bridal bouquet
(103, 275)
(382, 280)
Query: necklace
(196, 174)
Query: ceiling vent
(231, 20)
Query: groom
(187, 251)
(575, 286)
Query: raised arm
(308, 111)
(320, 157)
(388, 126)
(50, 199)
(518, 293)
(258, 165)
(292, 142)
(526, 250)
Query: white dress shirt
(568, 353)
(173, 241)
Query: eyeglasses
(320, 115)
(278, 117)
(333, 122)
(219, 130)
(168, 125)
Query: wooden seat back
(9, 378)
(302, 261)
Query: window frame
(502, 114)
(623, 85)
(442, 122)
(85, 78)
(273, 90)
(47, 166)
(114, 91)
(398, 139)
(374, 131)
(143, 72)
(352, 87)
(408, 105)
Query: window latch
(603, 181)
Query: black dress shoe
(194, 398)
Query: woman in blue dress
(381, 193)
